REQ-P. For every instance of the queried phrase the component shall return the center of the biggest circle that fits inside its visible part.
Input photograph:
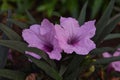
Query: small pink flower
(116, 64)
(75, 38)
(33, 54)
(43, 37)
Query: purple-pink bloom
(75, 38)
(43, 37)
(33, 54)
(115, 64)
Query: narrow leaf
(22, 47)
(17, 45)
(103, 20)
(14, 75)
(48, 70)
(82, 16)
(73, 75)
(3, 55)
(9, 32)
(109, 27)
(19, 24)
(32, 20)
(107, 60)
(63, 68)
(74, 64)
(112, 36)
(99, 51)
(96, 7)
(4, 50)
(43, 55)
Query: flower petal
(117, 53)
(55, 54)
(30, 37)
(84, 46)
(46, 26)
(62, 38)
(60, 35)
(33, 54)
(88, 29)
(35, 28)
(70, 25)
(116, 65)
(68, 22)
(68, 49)
(106, 55)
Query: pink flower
(75, 38)
(33, 54)
(116, 64)
(43, 37)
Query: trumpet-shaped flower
(43, 37)
(115, 65)
(75, 38)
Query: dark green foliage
(13, 75)
(72, 67)
(82, 16)
(103, 21)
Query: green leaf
(103, 20)
(83, 64)
(107, 60)
(109, 27)
(82, 16)
(32, 20)
(4, 50)
(73, 67)
(3, 56)
(96, 7)
(48, 70)
(43, 55)
(73, 7)
(19, 24)
(5, 5)
(22, 47)
(99, 51)
(112, 36)
(10, 74)
(47, 7)
(42, 7)
(63, 68)
(17, 45)
(9, 32)
(74, 75)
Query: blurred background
(52, 9)
(55, 8)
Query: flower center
(48, 47)
(72, 40)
